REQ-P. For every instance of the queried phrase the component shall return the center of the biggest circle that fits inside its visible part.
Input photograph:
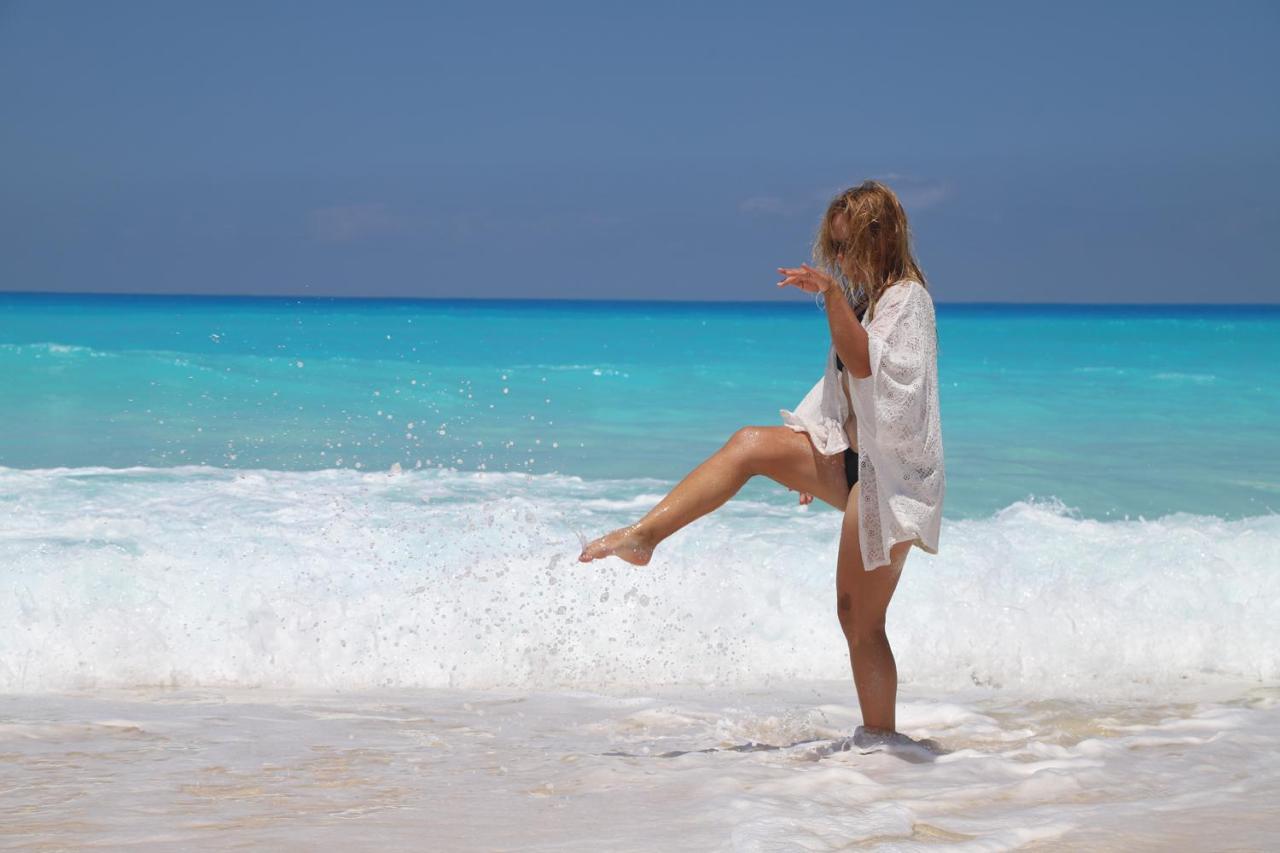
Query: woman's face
(839, 231)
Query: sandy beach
(659, 769)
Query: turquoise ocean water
(1112, 410)
(393, 493)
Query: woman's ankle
(643, 535)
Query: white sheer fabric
(900, 466)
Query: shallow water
(539, 770)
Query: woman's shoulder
(907, 296)
(910, 287)
(904, 295)
(901, 290)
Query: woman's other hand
(805, 497)
(806, 278)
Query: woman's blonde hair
(877, 245)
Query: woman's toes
(595, 549)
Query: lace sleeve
(900, 467)
(900, 342)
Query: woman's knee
(749, 445)
(859, 626)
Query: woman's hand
(806, 278)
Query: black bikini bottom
(850, 455)
(851, 465)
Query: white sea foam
(205, 576)
(1199, 378)
(50, 348)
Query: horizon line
(526, 299)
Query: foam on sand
(658, 769)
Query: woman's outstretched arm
(847, 334)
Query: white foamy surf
(337, 579)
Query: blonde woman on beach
(866, 438)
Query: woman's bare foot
(626, 543)
(896, 743)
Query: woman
(866, 438)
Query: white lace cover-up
(900, 466)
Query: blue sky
(1083, 152)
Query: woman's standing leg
(862, 598)
(778, 452)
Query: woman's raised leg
(778, 452)
(862, 598)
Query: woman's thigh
(789, 457)
(862, 597)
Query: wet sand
(679, 768)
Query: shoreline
(206, 768)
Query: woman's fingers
(806, 286)
(804, 277)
